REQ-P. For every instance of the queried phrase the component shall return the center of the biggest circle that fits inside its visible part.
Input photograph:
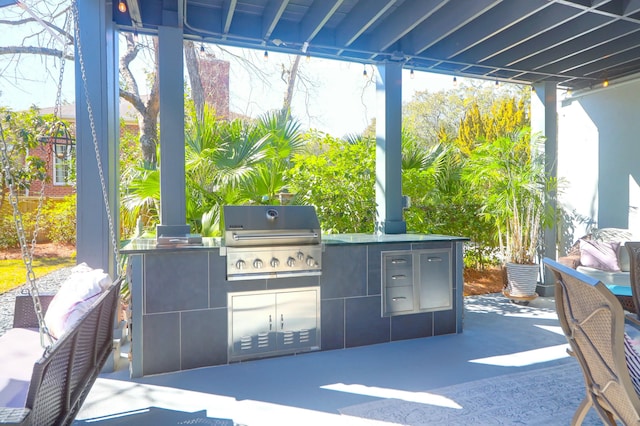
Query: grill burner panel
(273, 262)
(271, 242)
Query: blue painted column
(388, 149)
(544, 121)
(98, 43)
(172, 170)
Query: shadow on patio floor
(499, 338)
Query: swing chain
(27, 257)
(105, 198)
(49, 156)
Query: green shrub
(8, 234)
(59, 220)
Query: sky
(340, 102)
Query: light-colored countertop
(149, 244)
(386, 238)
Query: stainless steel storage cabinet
(273, 322)
(416, 281)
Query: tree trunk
(147, 113)
(291, 84)
(193, 68)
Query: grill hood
(270, 225)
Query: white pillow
(76, 294)
(623, 258)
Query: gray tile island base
(373, 289)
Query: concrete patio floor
(499, 338)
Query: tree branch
(34, 50)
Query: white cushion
(607, 277)
(623, 258)
(76, 294)
(20, 350)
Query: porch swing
(45, 376)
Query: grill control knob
(240, 264)
(291, 262)
(258, 263)
(300, 255)
(274, 262)
(311, 262)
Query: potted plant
(510, 173)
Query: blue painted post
(172, 170)
(544, 122)
(388, 149)
(99, 46)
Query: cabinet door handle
(398, 277)
(397, 261)
(281, 322)
(395, 299)
(434, 259)
(270, 323)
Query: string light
(455, 81)
(202, 47)
(364, 72)
(497, 83)
(605, 83)
(265, 56)
(122, 6)
(412, 74)
(308, 58)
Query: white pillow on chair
(76, 294)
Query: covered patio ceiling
(574, 43)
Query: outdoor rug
(548, 396)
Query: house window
(61, 164)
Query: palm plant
(510, 172)
(226, 162)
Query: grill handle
(245, 237)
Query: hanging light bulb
(497, 83)
(364, 72)
(455, 81)
(202, 47)
(533, 88)
(265, 56)
(412, 74)
(122, 6)
(308, 58)
(605, 83)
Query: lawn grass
(13, 273)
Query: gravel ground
(47, 284)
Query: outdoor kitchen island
(372, 289)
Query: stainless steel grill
(271, 242)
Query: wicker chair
(593, 322)
(633, 247)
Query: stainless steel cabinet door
(252, 324)
(297, 320)
(435, 285)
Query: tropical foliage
(510, 171)
(452, 145)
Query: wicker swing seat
(47, 387)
